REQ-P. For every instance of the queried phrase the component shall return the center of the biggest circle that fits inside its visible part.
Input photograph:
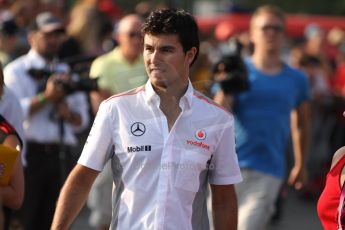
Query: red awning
(227, 24)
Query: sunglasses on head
(275, 28)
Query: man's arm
(300, 139)
(224, 207)
(73, 196)
(97, 98)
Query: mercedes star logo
(138, 129)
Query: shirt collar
(185, 101)
(37, 61)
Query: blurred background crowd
(315, 44)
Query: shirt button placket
(164, 176)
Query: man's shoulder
(208, 106)
(125, 96)
(16, 63)
(292, 69)
(107, 58)
(15, 69)
(297, 73)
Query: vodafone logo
(199, 144)
(200, 134)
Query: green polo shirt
(116, 74)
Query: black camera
(231, 73)
(73, 84)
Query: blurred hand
(64, 112)
(298, 177)
(55, 92)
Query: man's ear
(30, 37)
(191, 55)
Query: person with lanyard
(330, 206)
(11, 195)
(168, 143)
(52, 116)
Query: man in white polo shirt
(168, 142)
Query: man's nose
(155, 57)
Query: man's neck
(170, 94)
(129, 58)
(170, 103)
(269, 63)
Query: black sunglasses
(134, 34)
(275, 28)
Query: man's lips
(156, 70)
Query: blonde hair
(269, 9)
(88, 25)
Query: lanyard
(340, 207)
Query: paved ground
(297, 214)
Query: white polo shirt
(160, 176)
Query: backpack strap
(340, 207)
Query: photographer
(52, 116)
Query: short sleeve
(95, 69)
(99, 142)
(99, 70)
(224, 168)
(304, 89)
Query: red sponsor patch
(200, 134)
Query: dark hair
(8, 27)
(174, 21)
(309, 60)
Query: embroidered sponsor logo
(138, 129)
(198, 144)
(141, 148)
(200, 134)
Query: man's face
(47, 44)
(130, 38)
(267, 32)
(165, 61)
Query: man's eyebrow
(170, 47)
(161, 47)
